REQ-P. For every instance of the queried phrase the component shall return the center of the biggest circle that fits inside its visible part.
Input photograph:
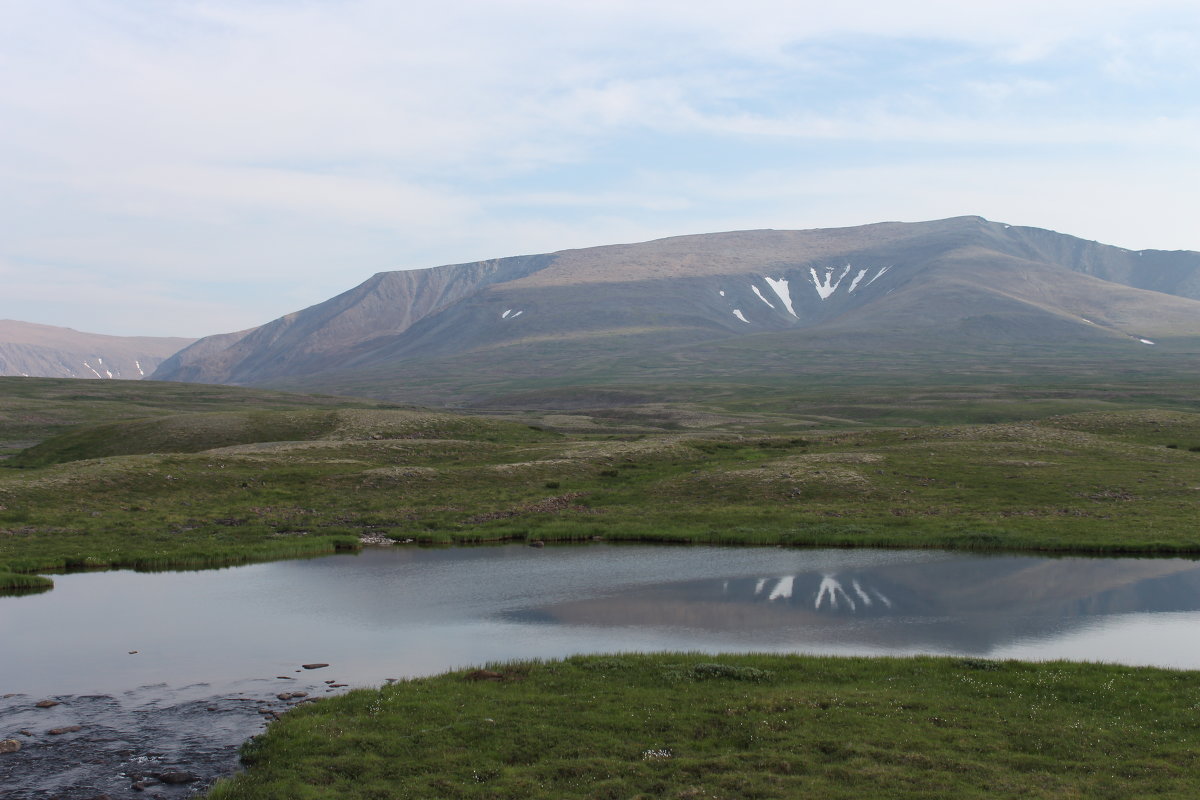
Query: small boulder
(484, 675)
(9, 746)
(314, 666)
(47, 703)
(66, 729)
(177, 776)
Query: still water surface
(400, 612)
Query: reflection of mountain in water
(969, 604)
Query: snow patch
(737, 312)
(519, 313)
(138, 364)
(89, 366)
(780, 287)
(827, 287)
(879, 274)
(1145, 341)
(506, 313)
(857, 278)
(760, 295)
(721, 292)
(783, 588)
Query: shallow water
(213, 648)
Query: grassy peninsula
(699, 726)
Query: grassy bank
(695, 726)
(1102, 482)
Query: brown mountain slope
(958, 278)
(45, 351)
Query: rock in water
(67, 729)
(314, 666)
(9, 746)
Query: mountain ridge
(30, 349)
(958, 277)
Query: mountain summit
(959, 279)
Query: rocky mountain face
(961, 279)
(44, 351)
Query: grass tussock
(687, 726)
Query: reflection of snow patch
(760, 295)
(881, 596)
(758, 587)
(505, 314)
(783, 588)
(737, 312)
(879, 274)
(831, 588)
(858, 590)
(519, 313)
(721, 292)
(828, 286)
(857, 278)
(785, 295)
(1145, 341)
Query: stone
(484, 675)
(67, 729)
(47, 703)
(177, 776)
(537, 543)
(9, 746)
(314, 666)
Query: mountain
(958, 280)
(44, 351)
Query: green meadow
(686, 726)
(220, 487)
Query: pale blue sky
(188, 168)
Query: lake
(203, 654)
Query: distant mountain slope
(44, 351)
(962, 278)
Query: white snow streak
(138, 364)
(1145, 341)
(783, 588)
(879, 274)
(857, 278)
(737, 312)
(519, 313)
(828, 286)
(89, 366)
(760, 295)
(785, 295)
(505, 314)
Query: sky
(189, 167)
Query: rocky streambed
(153, 741)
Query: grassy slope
(1102, 482)
(33, 409)
(689, 726)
